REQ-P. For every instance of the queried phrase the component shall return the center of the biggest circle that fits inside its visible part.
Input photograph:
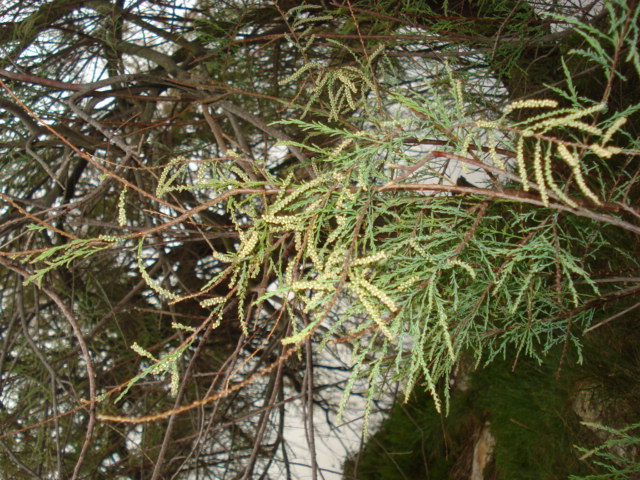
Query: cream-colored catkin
(539, 175)
(567, 156)
(248, 246)
(312, 253)
(582, 185)
(532, 103)
(376, 257)
(298, 73)
(571, 160)
(497, 161)
(550, 123)
(552, 184)
(522, 168)
(122, 212)
(376, 293)
(310, 285)
(371, 309)
(455, 262)
(585, 127)
(615, 126)
(603, 152)
(464, 146)
(212, 301)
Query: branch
(516, 196)
(91, 376)
(259, 123)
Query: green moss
(531, 418)
(416, 442)
(530, 413)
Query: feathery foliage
(283, 180)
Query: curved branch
(66, 312)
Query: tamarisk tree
(202, 199)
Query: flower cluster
(531, 103)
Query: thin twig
(66, 312)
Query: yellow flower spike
(532, 103)
(613, 129)
(522, 169)
(537, 169)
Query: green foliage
(615, 455)
(64, 254)
(621, 32)
(527, 411)
(168, 364)
(531, 413)
(288, 180)
(420, 279)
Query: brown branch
(198, 403)
(77, 331)
(262, 125)
(520, 197)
